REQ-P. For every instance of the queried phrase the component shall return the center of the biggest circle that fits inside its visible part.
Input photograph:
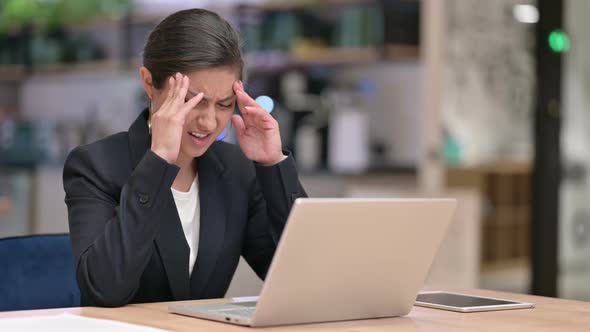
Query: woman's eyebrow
(192, 94)
(228, 97)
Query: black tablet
(466, 303)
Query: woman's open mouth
(200, 139)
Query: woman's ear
(146, 79)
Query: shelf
(336, 56)
(96, 22)
(17, 73)
(155, 15)
(274, 60)
(11, 73)
(409, 171)
(498, 167)
(256, 62)
(299, 5)
(402, 52)
(506, 264)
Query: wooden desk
(549, 315)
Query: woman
(163, 212)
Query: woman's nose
(206, 119)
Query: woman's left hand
(258, 132)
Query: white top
(187, 204)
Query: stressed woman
(164, 211)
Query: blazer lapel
(174, 251)
(170, 241)
(213, 220)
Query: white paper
(67, 323)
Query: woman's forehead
(215, 83)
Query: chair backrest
(37, 272)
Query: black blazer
(127, 237)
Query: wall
(490, 80)
(574, 229)
(394, 108)
(110, 101)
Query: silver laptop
(343, 259)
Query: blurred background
(479, 100)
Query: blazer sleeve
(113, 240)
(272, 194)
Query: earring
(149, 122)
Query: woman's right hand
(168, 121)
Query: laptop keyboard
(241, 312)
(245, 304)
(242, 309)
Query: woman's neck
(186, 175)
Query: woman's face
(213, 113)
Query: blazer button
(144, 198)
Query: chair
(37, 272)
